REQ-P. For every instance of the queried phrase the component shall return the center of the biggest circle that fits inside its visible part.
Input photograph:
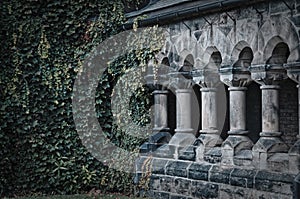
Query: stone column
(270, 142)
(160, 110)
(183, 111)
(184, 133)
(236, 149)
(208, 79)
(160, 130)
(293, 71)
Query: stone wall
(252, 53)
(170, 179)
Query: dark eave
(169, 11)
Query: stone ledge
(177, 172)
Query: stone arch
(182, 58)
(280, 54)
(188, 63)
(211, 58)
(280, 29)
(213, 37)
(242, 54)
(274, 43)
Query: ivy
(43, 46)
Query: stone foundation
(170, 179)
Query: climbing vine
(43, 46)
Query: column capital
(268, 74)
(206, 78)
(180, 80)
(235, 76)
(293, 71)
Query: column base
(294, 158)
(181, 140)
(207, 142)
(233, 146)
(270, 153)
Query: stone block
(177, 197)
(234, 192)
(213, 155)
(268, 195)
(154, 183)
(165, 151)
(182, 186)
(166, 184)
(243, 158)
(177, 168)
(274, 182)
(279, 7)
(278, 162)
(158, 165)
(141, 162)
(242, 178)
(199, 171)
(188, 153)
(220, 175)
(159, 195)
(202, 189)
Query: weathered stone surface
(154, 182)
(158, 166)
(188, 153)
(204, 190)
(234, 192)
(220, 175)
(274, 182)
(182, 186)
(165, 151)
(159, 195)
(140, 162)
(166, 184)
(242, 178)
(213, 155)
(199, 171)
(177, 168)
(177, 197)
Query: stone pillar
(160, 110)
(270, 143)
(184, 133)
(236, 149)
(183, 111)
(209, 110)
(293, 71)
(237, 107)
(158, 82)
(208, 79)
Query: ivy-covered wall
(43, 45)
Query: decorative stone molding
(268, 74)
(235, 76)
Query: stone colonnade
(269, 152)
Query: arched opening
(280, 54)
(245, 58)
(215, 60)
(188, 64)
